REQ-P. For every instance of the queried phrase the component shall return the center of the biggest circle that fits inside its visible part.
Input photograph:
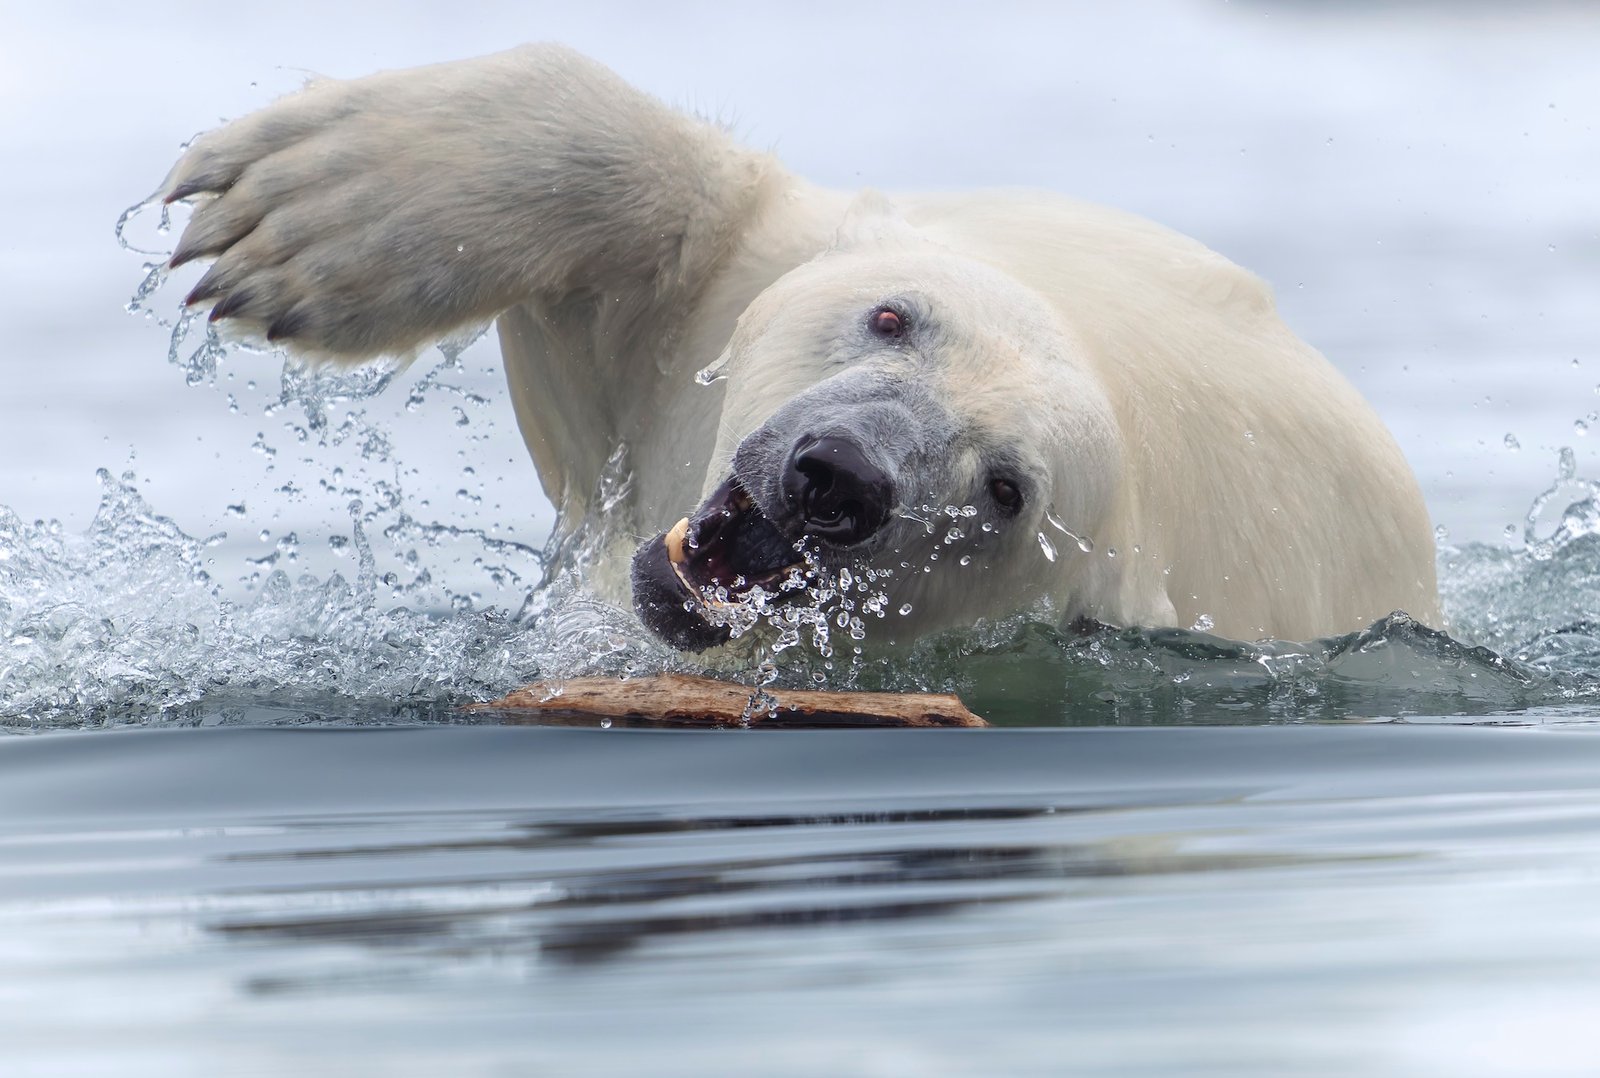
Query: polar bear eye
(1006, 496)
(887, 322)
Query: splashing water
(128, 623)
(1538, 605)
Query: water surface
(1284, 900)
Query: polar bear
(1124, 429)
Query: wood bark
(682, 700)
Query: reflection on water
(599, 915)
(1361, 899)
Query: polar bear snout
(835, 490)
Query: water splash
(1574, 498)
(1537, 605)
(135, 215)
(128, 623)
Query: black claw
(209, 287)
(183, 254)
(183, 191)
(231, 304)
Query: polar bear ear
(872, 218)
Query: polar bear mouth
(729, 547)
(709, 561)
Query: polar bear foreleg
(369, 217)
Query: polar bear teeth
(674, 540)
(728, 544)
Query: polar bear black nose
(840, 495)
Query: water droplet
(905, 608)
(460, 247)
(716, 372)
(1202, 624)
(1441, 534)
(1047, 546)
(1084, 543)
(1580, 428)
(605, 724)
(1512, 443)
(1568, 468)
(966, 559)
(1111, 551)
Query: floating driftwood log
(681, 700)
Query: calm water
(243, 831)
(1277, 900)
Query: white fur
(1172, 415)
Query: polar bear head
(866, 391)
